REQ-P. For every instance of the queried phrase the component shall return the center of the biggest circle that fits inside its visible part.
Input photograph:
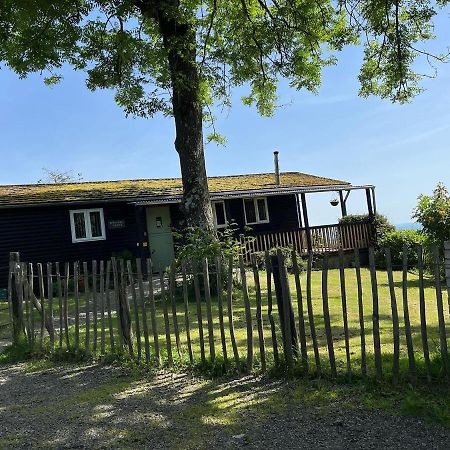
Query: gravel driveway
(106, 407)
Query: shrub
(380, 222)
(433, 213)
(198, 243)
(395, 241)
(287, 253)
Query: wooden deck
(324, 238)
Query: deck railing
(324, 238)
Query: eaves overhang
(157, 200)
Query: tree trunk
(180, 44)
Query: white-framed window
(255, 210)
(87, 225)
(220, 214)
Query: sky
(401, 149)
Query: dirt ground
(108, 407)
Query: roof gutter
(256, 193)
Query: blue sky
(402, 149)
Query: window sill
(257, 223)
(77, 241)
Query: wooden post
(230, 313)
(423, 315)
(102, 308)
(187, 312)
(172, 289)
(166, 319)
(306, 223)
(326, 316)
(440, 311)
(374, 201)
(124, 310)
(143, 310)
(66, 303)
(343, 204)
(344, 309)
(31, 295)
(248, 314)
(42, 299)
(60, 304)
(395, 324)
(285, 312)
(26, 298)
(94, 306)
(447, 271)
(87, 336)
(270, 308)
(312, 325)
(369, 203)
(151, 298)
(259, 318)
(108, 305)
(220, 307)
(375, 314)
(50, 305)
(301, 319)
(15, 298)
(212, 350)
(137, 326)
(198, 302)
(409, 341)
(77, 305)
(361, 313)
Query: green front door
(160, 236)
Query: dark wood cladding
(282, 213)
(43, 234)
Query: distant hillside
(408, 226)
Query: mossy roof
(129, 190)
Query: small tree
(58, 177)
(433, 213)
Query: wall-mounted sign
(116, 224)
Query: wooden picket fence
(247, 318)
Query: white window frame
(255, 202)
(87, 224)
(224, 214)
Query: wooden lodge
(94, 220)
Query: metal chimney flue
(277, 167)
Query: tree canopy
(181, 57)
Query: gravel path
(105, 407)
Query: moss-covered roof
(91, 191)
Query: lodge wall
(43, 234)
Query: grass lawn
(335, 314)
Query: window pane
(262, 209)
(220, 214)
(79, 225)
(250, 210)
(96, 227)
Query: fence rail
(324, 238)
(344, 321)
